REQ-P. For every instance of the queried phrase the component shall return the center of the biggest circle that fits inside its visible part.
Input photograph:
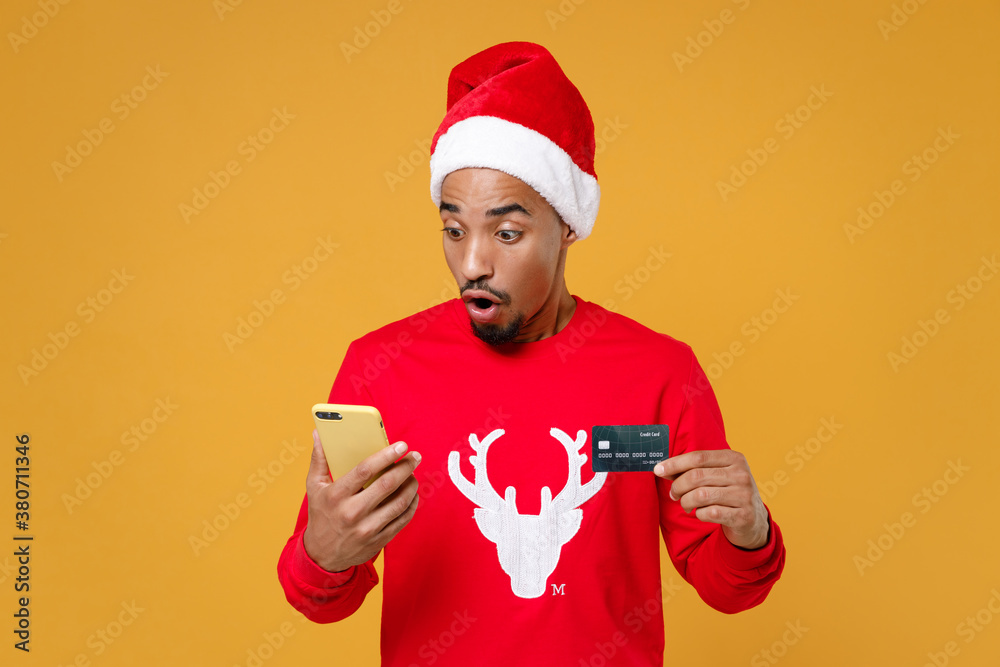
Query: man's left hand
(718, 486)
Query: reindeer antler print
(574, 494)
(480, 492)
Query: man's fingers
(390, 481)
(365, 471)
(706, 458)
(719, 496)
(692, 479)
(319, 470)
(397, 524)
(743, 519)
(396, 504)
(725, 516)
(379, 526)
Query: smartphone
(349, 434)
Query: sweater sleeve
(322, 596)
(727, 578)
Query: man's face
(506, 247)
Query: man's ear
(568, 235)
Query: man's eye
(453, 232)
(508, 234)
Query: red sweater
(525, 556)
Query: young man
(514, 550)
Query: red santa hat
(512, 108)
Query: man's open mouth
(483, 307)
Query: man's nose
(477, 264)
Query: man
(514, 550)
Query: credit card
(628, 448)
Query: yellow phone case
(355, 435)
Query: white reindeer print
(528, 545)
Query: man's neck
(554, 315)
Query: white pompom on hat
(512, 108)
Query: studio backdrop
(205, 201)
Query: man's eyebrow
(491, 213)
(504, 210)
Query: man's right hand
(349, 524)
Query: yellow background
(679, 130)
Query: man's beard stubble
(496, 335)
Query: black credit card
(628, 448)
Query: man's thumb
(319, 469)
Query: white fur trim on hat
(494, 143)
